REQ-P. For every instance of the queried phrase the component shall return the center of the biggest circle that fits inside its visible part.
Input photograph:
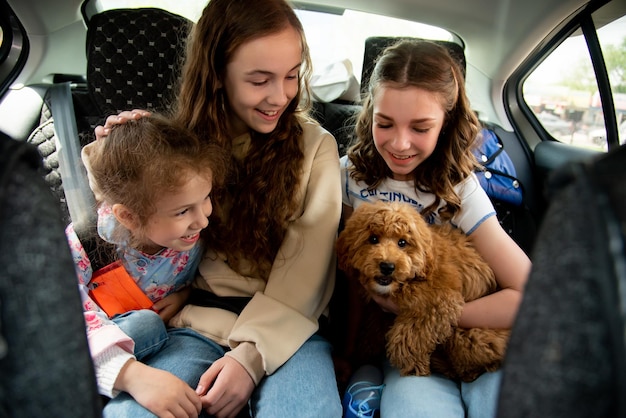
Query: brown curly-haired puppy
(429, 271)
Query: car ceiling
(499, 33)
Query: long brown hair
(251, 218)
(430, 67)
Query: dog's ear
(354, 234)
(346, 247)
(422, 235)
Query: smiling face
(406, 125)
(262, 79)
(179, 217)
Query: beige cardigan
(283, 312)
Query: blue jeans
(304, 386)
(147, 330)
(436, 396)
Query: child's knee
(145, 328)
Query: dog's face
(387, 246)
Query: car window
(347, 33)
(613, 40)
(345, 30)
(563, 92)
(13, 47)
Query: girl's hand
(225, 388)
(162, 393)
(171, 304)
(123, 117)
(386, 304)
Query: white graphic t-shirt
(475, 204)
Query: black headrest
(375, 45)
(134, 57)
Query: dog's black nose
(386, 268)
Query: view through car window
(347, 34)
(563, 92)
(345, 30)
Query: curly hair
(141, 160)
(428, 66)
(250, 219)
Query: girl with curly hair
(135, 265)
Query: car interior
(130, 56)
(126, 71)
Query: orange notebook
(116, 292)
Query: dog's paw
(409, 360)
(415, 370)
(410, 367)
(484, 345)
(474, 351)
(409, 346)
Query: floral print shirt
(158, 275)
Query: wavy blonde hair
(251, 217)
(428, 66)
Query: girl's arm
(172, 303)
(110, 347)
(114, 362)
(511, 267)
(158, 391)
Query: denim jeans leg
(305, 386)
(185, 354)
(433, 396)
(147, 330)
(481, 395)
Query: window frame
(520, 113)
(14, 48)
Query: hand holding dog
(424, 274)
(385, 303)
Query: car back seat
(567, 352)
(133, 58)
(375, 45)
(338, 119)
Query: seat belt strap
(79, 197)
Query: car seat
(134, 57)
(567, 355)
(375, 45)
(44, 354)
(133, 61)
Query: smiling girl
(155, 181)
(253, 332)
(415, 135)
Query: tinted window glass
(563, 92)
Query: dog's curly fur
(429, 271)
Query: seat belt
(78, 196)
